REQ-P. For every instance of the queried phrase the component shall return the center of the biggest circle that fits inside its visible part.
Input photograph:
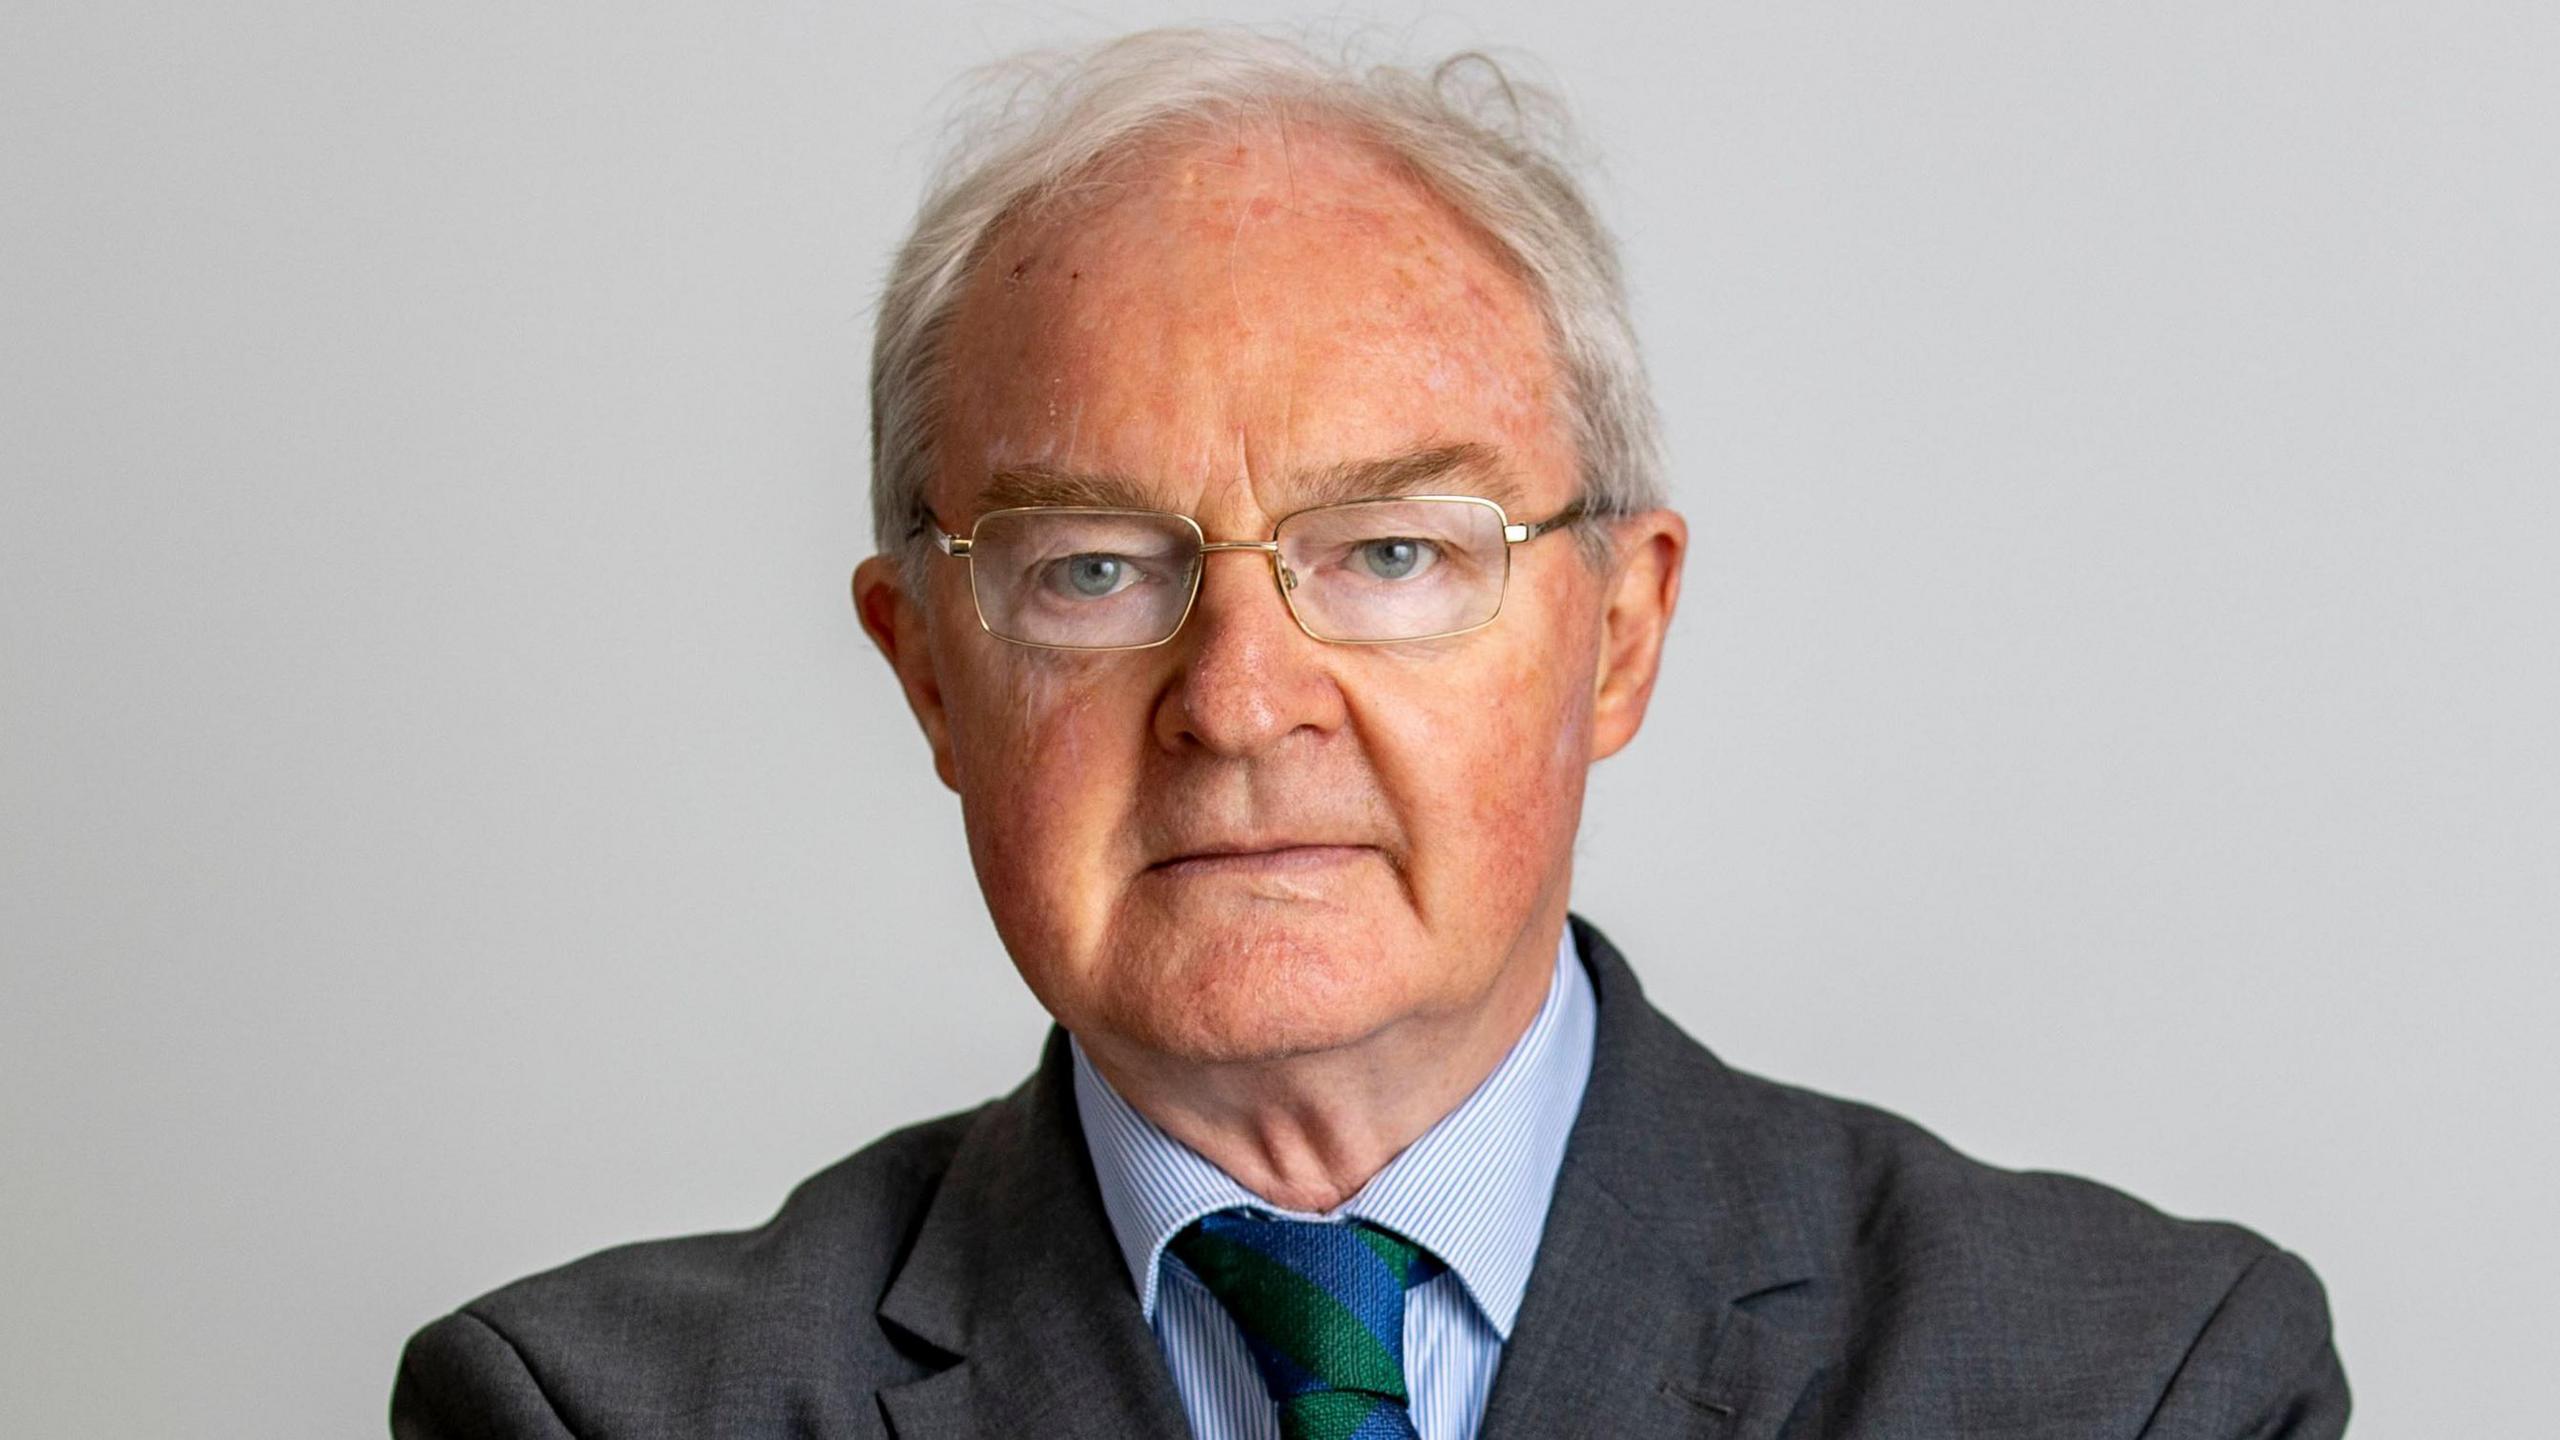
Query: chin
(1262, 986)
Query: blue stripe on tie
(1387, 1422)
(1333, 1260)
(1280, 1374)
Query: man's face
(1246, 843)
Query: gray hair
(1488, 144)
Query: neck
(1305, 1132)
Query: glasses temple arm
(1515, 534)
(943, 540)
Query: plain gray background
(452, 821)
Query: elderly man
(1272, 540)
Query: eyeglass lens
(1366, 571)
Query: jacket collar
(1672, 1216)
(1014, 1276)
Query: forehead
(1242, 310)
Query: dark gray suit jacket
(1725, 1258)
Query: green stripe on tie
(1291, 1315)
(1320, 1305)
(1327, 1414)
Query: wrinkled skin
(1392, 826)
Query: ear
(1644, 589)
(895, 621)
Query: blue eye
(1091, 577)
(1396, 557)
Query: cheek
(1495, 777)
(1003, 702)
(1029, 733)
(1015, 707)
(1045, 747)
(1544, 749)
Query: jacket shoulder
(2057, 1293)
(1890, 1195)
(756, 1323)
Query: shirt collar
(1473, 1190)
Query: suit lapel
(1015, 1277)
(1671, 1214)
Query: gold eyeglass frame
(1513, 533)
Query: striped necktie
(1321, 1306)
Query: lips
(1260, 857)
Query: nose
(1246, 677)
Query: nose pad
(1204, 578)
(1247, 583)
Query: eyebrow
(1418, 472)
(1477, 467)
(1015, 486)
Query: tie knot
(1321, 1306)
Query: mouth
(1259, 860)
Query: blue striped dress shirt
(1473, 1190)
